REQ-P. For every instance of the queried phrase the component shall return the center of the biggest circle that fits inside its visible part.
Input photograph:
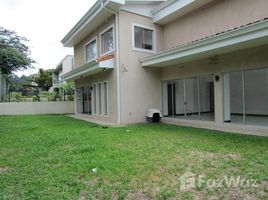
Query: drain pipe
(117, 61)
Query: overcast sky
(44, 23)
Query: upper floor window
(107, 41)
(143, 38)
(91, 50)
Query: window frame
(85, 50)
(153, 38)
(104, 31)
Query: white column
(165, 98)
(75, 101)
(226, 98)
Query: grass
(52, 157)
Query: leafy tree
(14, 54)
(18, 82)
(68, 89)
(45, 79)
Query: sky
(44, 23)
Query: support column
(218, 98)
(164, 99)
(226, 98)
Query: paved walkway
(95, 121)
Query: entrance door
(87, 100)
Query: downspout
(117, 49)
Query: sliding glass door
(83, 100)
(190, 98)
(246, 97)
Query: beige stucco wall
(37, 108)
(110, 77)
(79, 49)
(218, 16)
(140, 87)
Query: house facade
(202, 63)
(65, 66)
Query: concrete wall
(36, 108)
(140, 87)
(215, 17)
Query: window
(100, 98)
(107, 41)
(91, 50)
(143, 38)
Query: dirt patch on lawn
(83, 195)
(4, 170)
(235, 193)
(137, 195)
(203, 155)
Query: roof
(260, 26)
(95, 16)
(173, 9)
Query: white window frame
(85, 50)
(107, 94)
(153, 39)
(105, 30)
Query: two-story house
(203, 63)
(65, 66)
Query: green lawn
(52, 157)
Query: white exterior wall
(67, 64)
(37, 108)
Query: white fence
(35, 108)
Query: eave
(174, 9)
(247, 36)
(96, 15)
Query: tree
(18, 82)
(68, 89)
(45, 79)
(14, 54)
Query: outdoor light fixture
(217, 78)
(213, 60)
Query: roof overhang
(173, 9)
(97, 14)
(93, 67)
(248, 36)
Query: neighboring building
(65, 66)
(203, 63)
(3, 88)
